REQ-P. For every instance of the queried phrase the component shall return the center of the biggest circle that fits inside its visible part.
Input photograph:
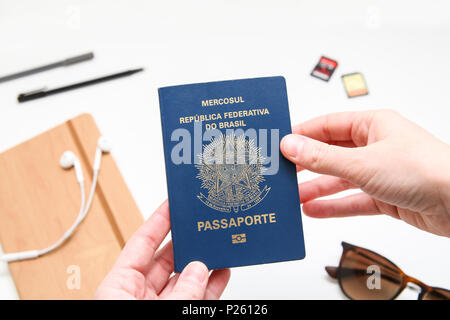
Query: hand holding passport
(233, 197)
(143, 273)
(231, 206)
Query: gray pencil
(63, 63)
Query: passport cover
(233, 197)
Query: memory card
(355, 85)
(324, 68)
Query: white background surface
(401, 47)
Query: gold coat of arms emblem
(231, 170)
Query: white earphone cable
(84, 207)
(10, 257)
(69, 232)
(91, 194)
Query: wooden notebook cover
(39, 201)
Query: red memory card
(324, 68)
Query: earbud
(103, 146)
(69, 160)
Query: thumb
(192, 282)
(319, 157)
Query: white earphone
(69, 160)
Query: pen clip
(77, 59)
(29, 93)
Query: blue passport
(233, 197)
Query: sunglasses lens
(437, 294)
(368, 276)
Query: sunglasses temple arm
(332, 271)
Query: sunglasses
(366, 275)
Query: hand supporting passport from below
(401, 169)
(142, 272)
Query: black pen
(62, 63)
(36, 94)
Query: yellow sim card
(355, 85)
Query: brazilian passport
(233, 197)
